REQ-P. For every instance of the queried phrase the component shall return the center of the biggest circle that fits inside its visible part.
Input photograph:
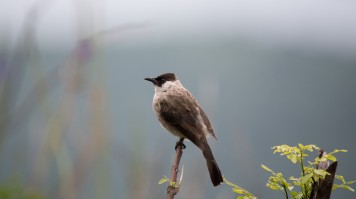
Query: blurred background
(76, 117)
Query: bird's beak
(153, 80)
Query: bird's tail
(214, 171)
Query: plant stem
(305, 191)
(173, 190)
(285, 192)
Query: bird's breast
(160, 99)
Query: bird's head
(163, 80)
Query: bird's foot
(180, 143)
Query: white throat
(168, 85)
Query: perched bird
(323, 164)
(180, 113)
(322, 188)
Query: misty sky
(266, 72)
(325, 24)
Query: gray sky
(326, 24)
(256, 97)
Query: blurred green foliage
(18, 192)
(241, 192)
(309, 172)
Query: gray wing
(176, 113)
(207, 122)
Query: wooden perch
(173, 187)
(322, 188)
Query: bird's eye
(163, 80)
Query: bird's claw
(180, 143)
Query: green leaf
(298, 154)
(335, 186)
(346, 187)
(320, 172)
(309, 147)
(274, 186)
(173, 184)
(301, 146)
(330, 157)
(237, 190)
(163, 180)
(340, 177)
(350, 189)
(292, 157)
(293, 193)
(290, 188)
(351, 182)
(299, 196)
(266, 168)
(339, 150)
(305, 178)
(229, 183)
(323, 159)
(245, 194)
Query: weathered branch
(323, 187)
(173, 187)
(323, 190)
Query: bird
(180, 114)
(322, 164)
